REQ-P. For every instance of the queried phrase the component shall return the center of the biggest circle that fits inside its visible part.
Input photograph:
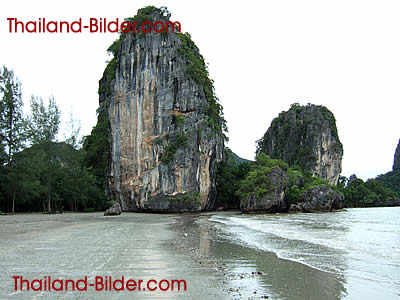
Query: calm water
(360, 247)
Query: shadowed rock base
(114, 210)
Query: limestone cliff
(306, 137)
(396, 163)
(166, 124)
(275, 184)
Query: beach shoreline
(197, 244)
(133, 245)
(151, 246)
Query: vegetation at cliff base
(367, 194)
(302, 182)
(97, 154)
(236, 182)
(390, 180)
(257, 180)
(229, 175)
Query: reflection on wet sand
(259, 272)
(204, 241)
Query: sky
(262, 55)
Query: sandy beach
(145, 247)
(72, 246)
(139, 246)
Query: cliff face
(273, 200)
(305, 136)
(396, 164)
(165, 141)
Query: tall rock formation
(306, 137)
(396, 163)
(165, 122)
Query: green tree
(42, 127)
(11, 125)
(72, 187)
(96, 156)
(370, 193)
(229, 175)
(43, 123)
(73, 130)
(256, 180)
(391, 180)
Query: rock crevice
(163, 151)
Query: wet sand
(251, 274)
(148, 246)
(72, 246)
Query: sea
(359, 248)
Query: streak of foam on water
(288, 239)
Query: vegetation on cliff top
(197, 70)
(294, 132)
(196, 67)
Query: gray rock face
(163, 150)
(306, 136)
(319, 198)
(273, 199)
(396, 164)
(352, 178)
(114, 210)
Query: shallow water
(353, 254)
(360, 248)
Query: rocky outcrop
(114, 210)
(165, 124)
(269, 197)
(352, 179)
(319, 198)
(396, 164)
(306, 137)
